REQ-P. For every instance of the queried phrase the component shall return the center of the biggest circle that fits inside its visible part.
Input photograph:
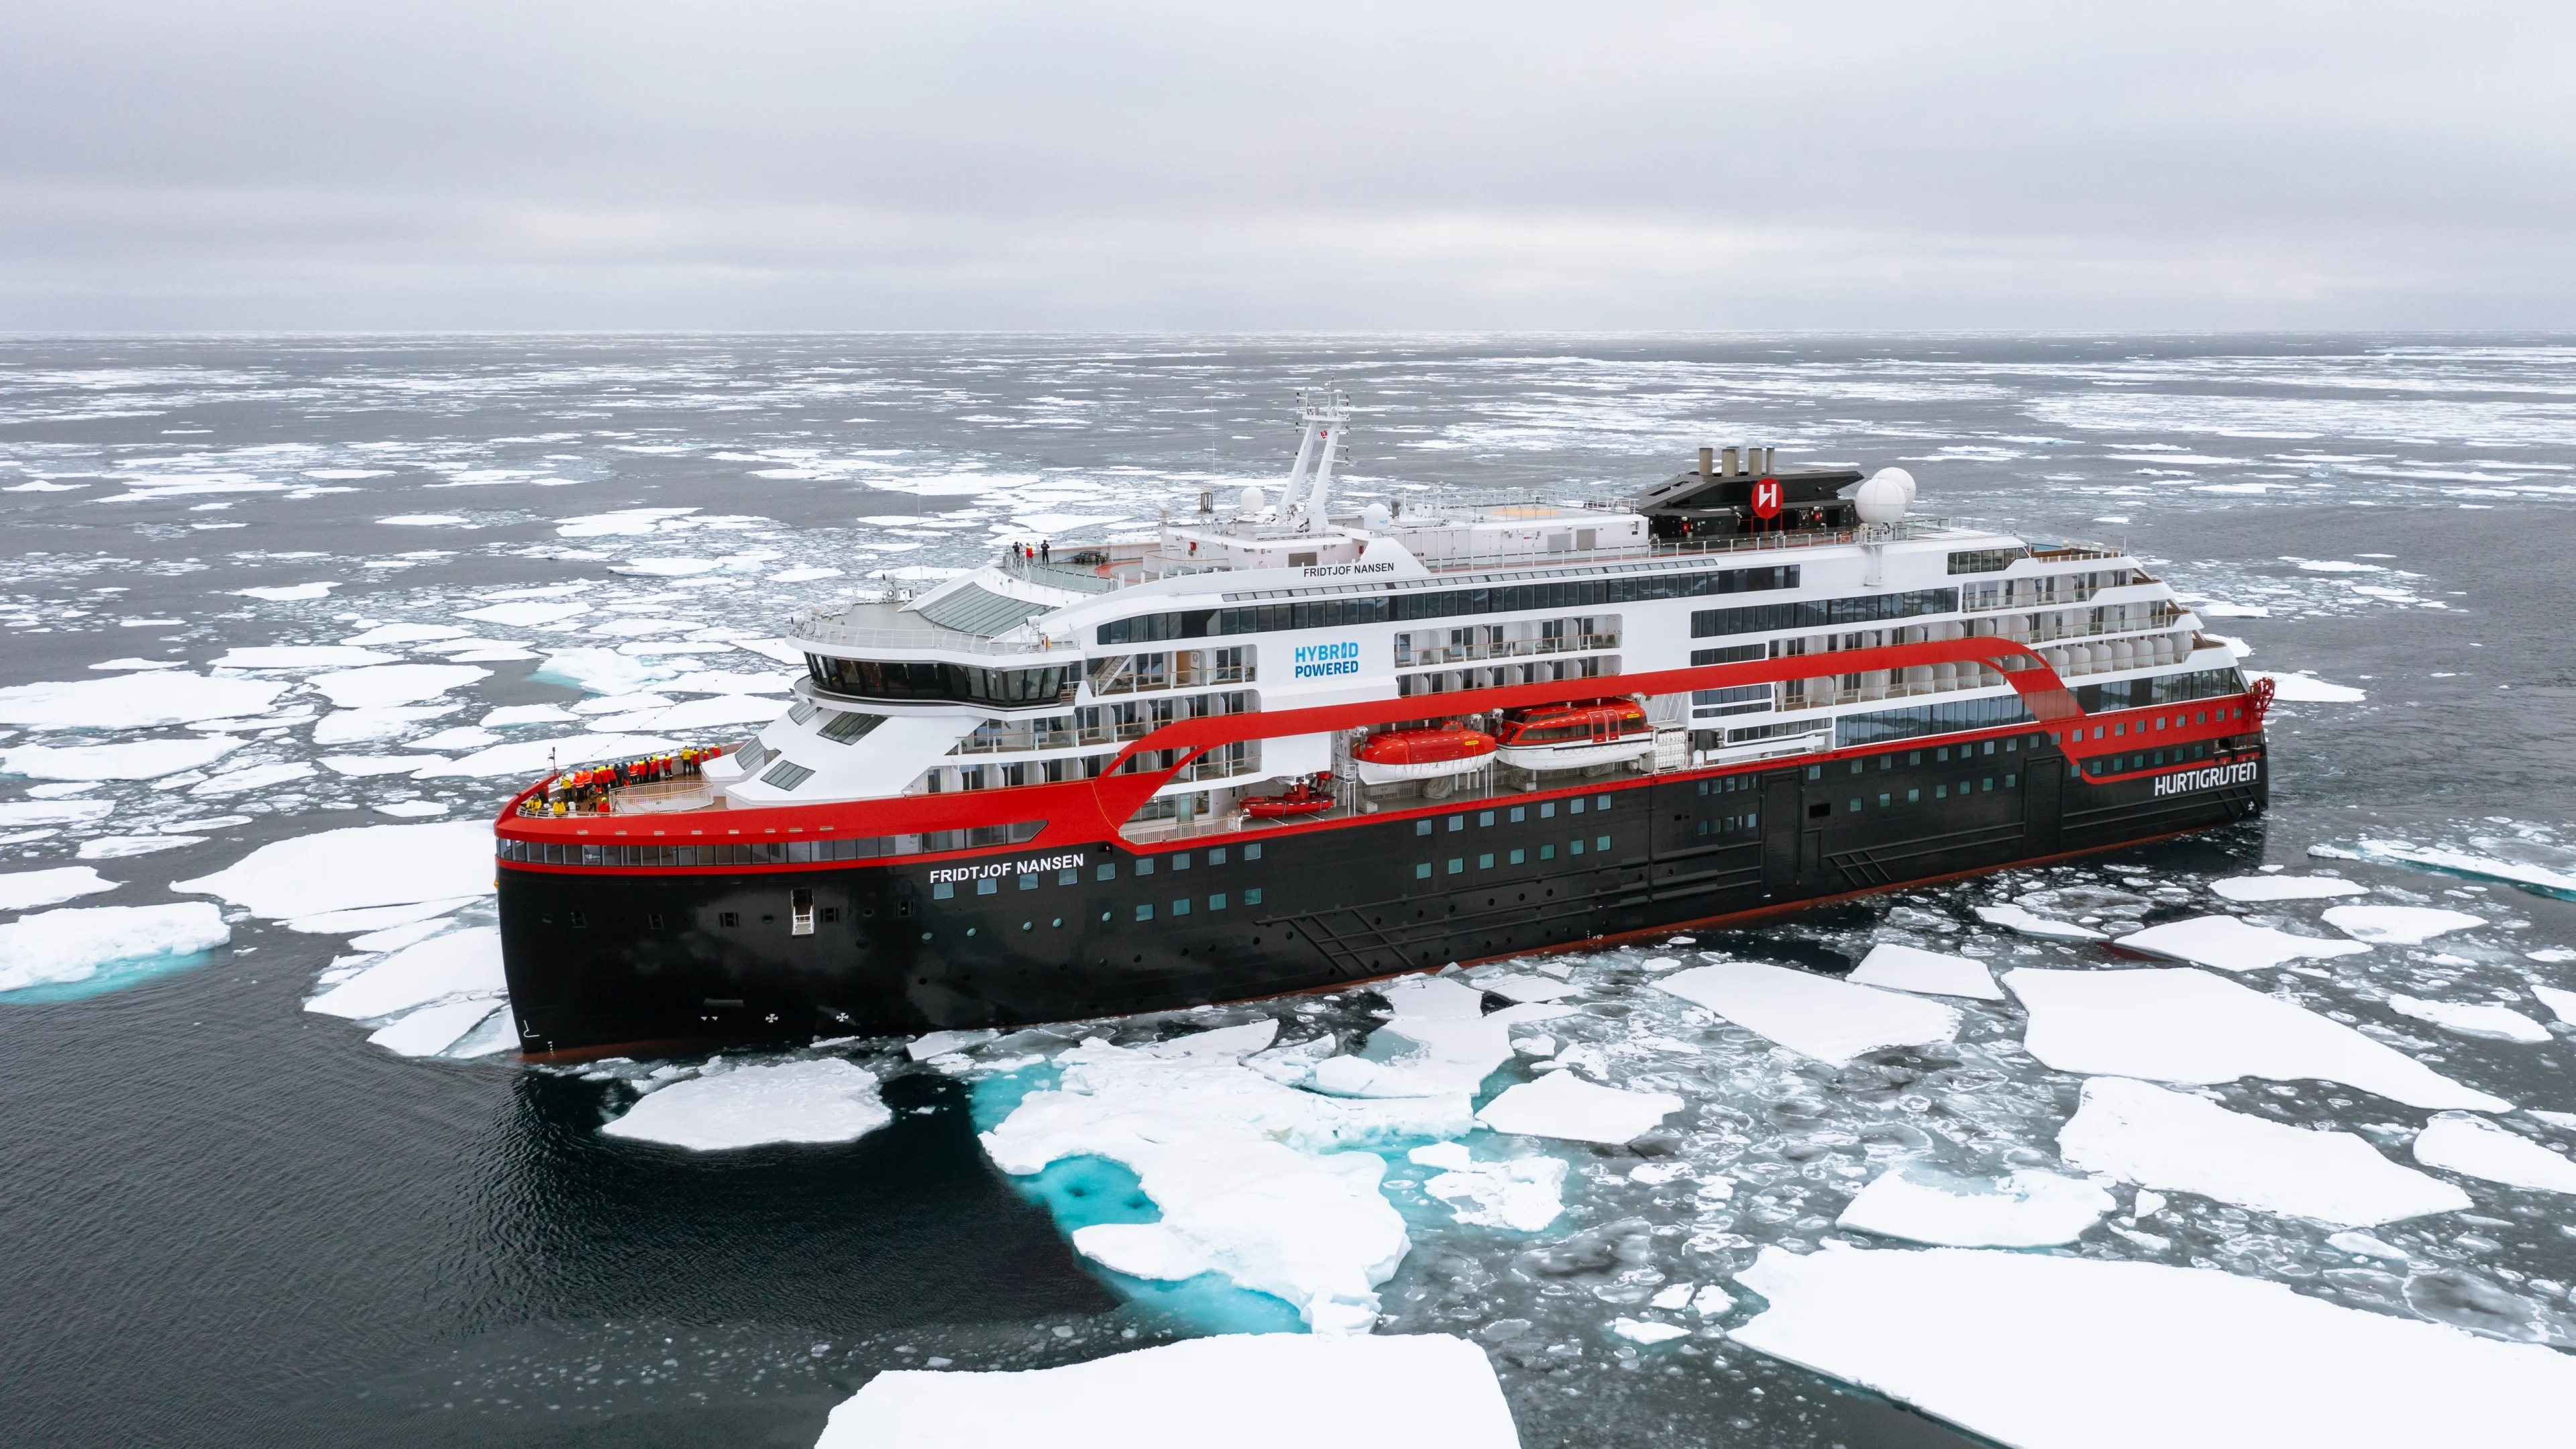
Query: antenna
(1322, 412)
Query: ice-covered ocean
(2260, 1137)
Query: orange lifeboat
(1576, 736)
(1397, 755)
(1311, 796)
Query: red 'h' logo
(1766, 498)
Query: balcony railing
(1439, 654)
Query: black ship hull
(617, 957)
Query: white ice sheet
(2231, 945)
(1240, 1391)
(139, 760)
(135, 701)
(828, 1100)
(28, 889)
(2398, 925)
(56, 947)
(2047, 1352)
(2176, 1024)
(2246, 888)
(366, 865)
(2476, 1147)
(2028, 1209)
(2177, 1142)
(2500, 1023)
(464, 962)
(1829, 1020)
(1564, 1105)
(1895, 967)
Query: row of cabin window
(1939, 792)
(1941, 754)
(1458, 863)
(2123, 764)
(1351, 611)
(1144, 911)
(1546, 810)
(2160, 722)
(767, 852)
(1143, 865)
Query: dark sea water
(225, 1220)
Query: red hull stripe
(1092, 810)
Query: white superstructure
(1029, 671)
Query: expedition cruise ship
(1279, 747)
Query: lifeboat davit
(1307, 797)
(1398, 755)
(1576, 736)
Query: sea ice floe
(140, 760)
(405, 634)
(1647, 1331)
(1905, 968)
(2176, 1024)
(1529, 986)
(524, 714)
(530, 757)
(2561, 1004)
(87, 943)
(465, 962)
(382, 686)
(1523, 1194)
(1434, 998)
(2476, 1147)
(351, 726)
(134, 701)
(120, 847)
(827, 1100)
(1832, 1021)
(1412, 1389)
(2308, 689)
(939, 1043)
(431, 1030)
(299, 656)
(2028, 1209)
(252, 777)
(1521, 986)
(2502, 1023)
(410, 809)
(2398, 925)
(2178, 1142)
(14, 813)
(2231, 945)
(1246, 1171)
(1564, 1105)
(365, 865)
(374, 918)
(2453, 862)
(2364, 1245)
(526, 614)
(2017, 919)
(367, 765)
(2244, 888)
(1982, 1339)
(288, 593)
(26, 890)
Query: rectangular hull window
(800, 905)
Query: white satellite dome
(1253, 500)
(1885, 497)
(1374, 515)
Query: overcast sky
(1286, 166)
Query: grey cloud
(1142, 166)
